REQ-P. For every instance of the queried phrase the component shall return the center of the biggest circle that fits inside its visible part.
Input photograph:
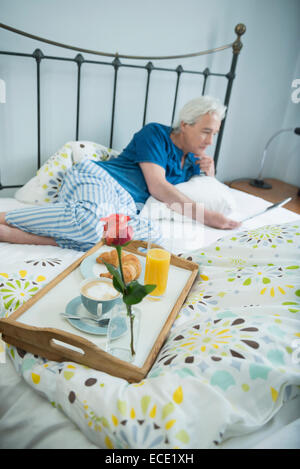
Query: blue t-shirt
(151, 144)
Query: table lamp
(259, 182)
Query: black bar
(240, 29)
(38, 115)
(64, 59)
(79, 60)
(162, 69)
(149, 68)
(10, 187)
(116, 63)
(19, 54)
(159, 69)
(206, 74)
(38, 55)
(179, 71)
(231, 77)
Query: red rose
(116, 231)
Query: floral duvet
(230, 362)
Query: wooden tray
(28, 327)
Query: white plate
(89, 268)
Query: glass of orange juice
(157, 270)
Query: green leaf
(167, 409)
(135, 292)
(117, 280)
(145, 401)
(182, 436)
(7, 305)
(118, 285)
(247, 282)
(266, 280)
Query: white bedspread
(28, 420)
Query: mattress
(29, 420)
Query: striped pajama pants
(87, 194)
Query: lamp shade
(259, 182)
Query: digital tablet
(277, 205)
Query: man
(157, 158)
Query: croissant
(131, 265)
(111, 257)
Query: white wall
(261, 97)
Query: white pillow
(213, 194)
(31, 192)
(44, 187)
(91, 150)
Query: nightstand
(280, 190)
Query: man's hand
(206, 164)
(217, 220)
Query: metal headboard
(116, 63)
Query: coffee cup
(98, 295)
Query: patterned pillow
(44, 187)
(51, 174)
(93, 151)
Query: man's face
(198, 136)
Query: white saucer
(76, 308)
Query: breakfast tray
(37, 326)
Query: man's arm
(162, 190)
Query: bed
(228, 375)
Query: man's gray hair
(197, 108)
